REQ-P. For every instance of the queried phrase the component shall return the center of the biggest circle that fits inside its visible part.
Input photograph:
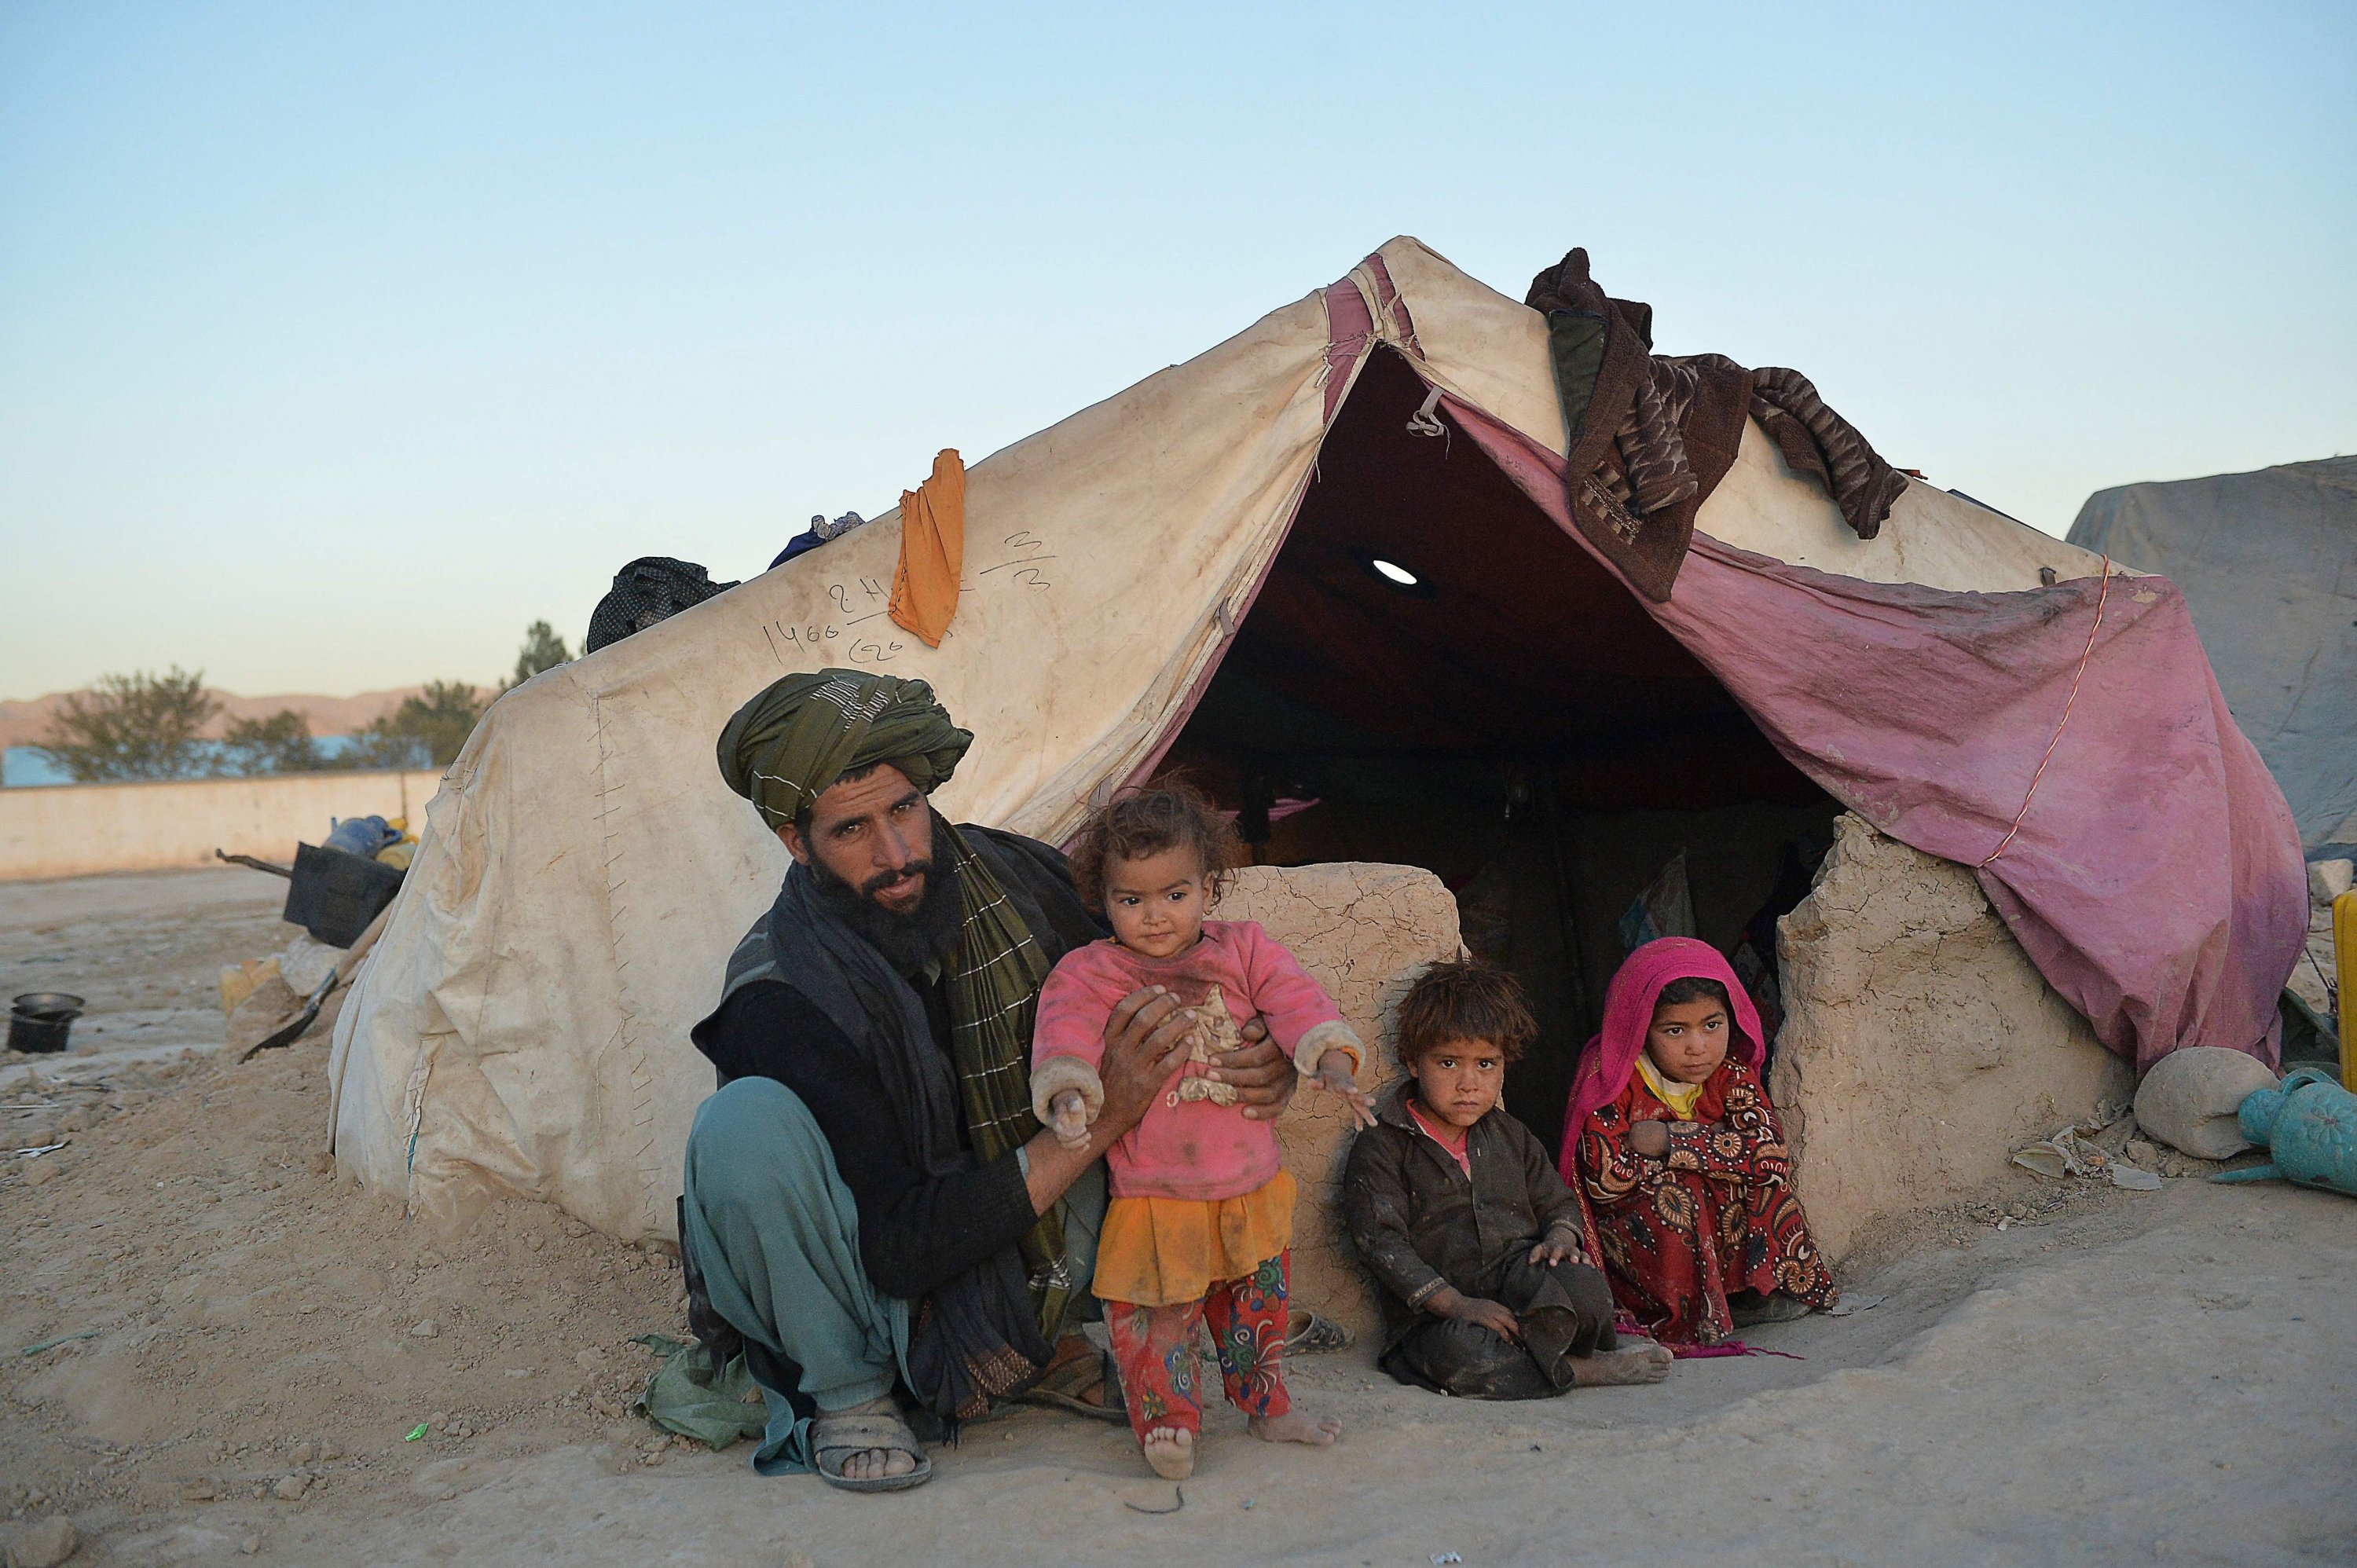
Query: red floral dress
(1715, 1214)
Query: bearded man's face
(873, 834)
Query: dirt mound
(231, 1320)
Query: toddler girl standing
(1200, 1221)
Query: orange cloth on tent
(1160, 1252)
(933, 550)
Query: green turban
(783, 748)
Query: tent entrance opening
(1434, 675)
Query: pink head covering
(1611, 1056)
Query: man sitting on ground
(870, 1202)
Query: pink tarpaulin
(2156, 878)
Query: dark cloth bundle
(651, 588)
(1652, 436)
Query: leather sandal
(845, 1433)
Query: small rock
(534, 1242)
(289, 1489)
(439, 1418)
(323, 1164)
(328, 1452)
(41, 1170)
(575, 1228)
(429, 1258)
(45, 1545)
(2328, 879)
(198, 1492)
(302, 1452)
(251, 1545)
(2190, 1099)
(589, 1360)
(425, 1328)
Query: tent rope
(2102, 594)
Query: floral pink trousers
(1160, 1373)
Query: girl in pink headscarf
(1676, 1154)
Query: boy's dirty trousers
(776, 1233)
(1565, 1311)
(1161, 1374)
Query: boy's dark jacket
(1419, 1224)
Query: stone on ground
(2189, 1099)
(45, 1545)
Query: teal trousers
(776, 1234)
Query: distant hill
(25, 723)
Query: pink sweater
(1190, 1148)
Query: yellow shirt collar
(1679, 1097)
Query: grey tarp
(2267, 562)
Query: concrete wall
(1364, 932)
(1920, 1045)
(74, 830)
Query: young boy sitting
(1458, 1213)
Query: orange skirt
(1162, 1252)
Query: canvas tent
(2267, 562)
(1183, 569)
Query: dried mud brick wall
(1364, 932)
(1920, 1045)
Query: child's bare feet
(1636, 1361)
(1171, 1451)
(1295, 1427)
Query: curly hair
(1464, 999)
(1147, 821)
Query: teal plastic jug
(2307, 1124)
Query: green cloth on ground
(691, 1397)
(788, 745)
(777, 1235)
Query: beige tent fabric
(523, 1026)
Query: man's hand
(1649, 1138)
(1262, 1072)
(1490, 1314)
(1145, 1042)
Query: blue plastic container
(2307, 1124)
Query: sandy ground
(2112, 1378)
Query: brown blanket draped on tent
(1652, 435)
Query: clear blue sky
(338, 342)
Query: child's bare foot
(1636, 1361)
(1295, 1427)
(1171, 1451)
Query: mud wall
(1920, 1045)
(1364, 932)
(75, 829)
